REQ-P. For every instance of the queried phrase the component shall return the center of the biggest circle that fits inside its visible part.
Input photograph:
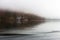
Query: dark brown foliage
(9, 20)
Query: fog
(45, 8)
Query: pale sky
(44, 8)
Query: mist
(44, 8)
